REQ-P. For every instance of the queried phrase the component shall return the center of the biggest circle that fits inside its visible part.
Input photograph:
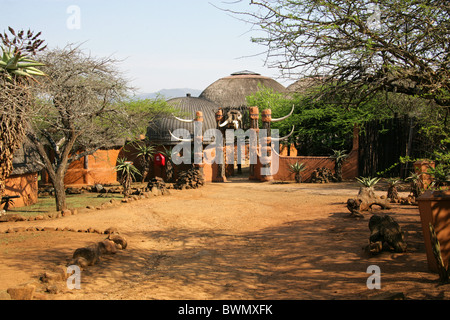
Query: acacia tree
(17, 73)
(79, 111)
(362, 46)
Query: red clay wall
(99, 168)
(350, 167)
(25, 186)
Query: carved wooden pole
(221, 173)
(198, 143)
(253, 148)
(266, 146)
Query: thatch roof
(233, 90)
(158, 131)
(305, 85)
(26, 160)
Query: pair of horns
(274, 139)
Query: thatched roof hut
(305, 85)
(158, 131)
(26, 160)
(231, 91)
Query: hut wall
(99, 168)
(90, 170)
(25, 186)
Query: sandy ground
(238, 240)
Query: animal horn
(184, 120)
(286, 137)
(180, 139)
(224, 124)
(285, 117)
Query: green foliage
(368, 182)
(321, 125)
(297, 167)
(392, 182)
(145, 151)
(126, 168)
(15, 61)
(339, 155)
(127, 172)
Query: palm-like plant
(145, 153)
(339, 156)
(16, 69)
(416, 183)
(169, 165)
(297, 168)
(127, 172)
(392, 192)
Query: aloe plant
(15, 61)
(145, 153)
(339, 156)
(392, 189)
(127, 172)
(297, 168)
(368, 182)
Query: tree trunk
(392, 193)
(60, 194)
(338, 171)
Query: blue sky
(164, 44)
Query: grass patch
(76, 201)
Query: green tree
(84, 105)
(362, 46)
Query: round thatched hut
(232, 91)
(158, 130)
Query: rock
(322, 175)
(90, 254)
(385, 232)
(52, 289)
(107, 247)
(12, 218)
(111, 230)
(156, 192)
(118, 239)
(22, 293)
(4, 295)
(49, 277)
(190, 179)
(73, 191)
(97, 188)
(66, 213)
(39, 217)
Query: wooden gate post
(254, 126)
(221, 173)
(198, 143)
(266, 146)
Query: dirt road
(239, 240)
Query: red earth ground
(239, 240)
